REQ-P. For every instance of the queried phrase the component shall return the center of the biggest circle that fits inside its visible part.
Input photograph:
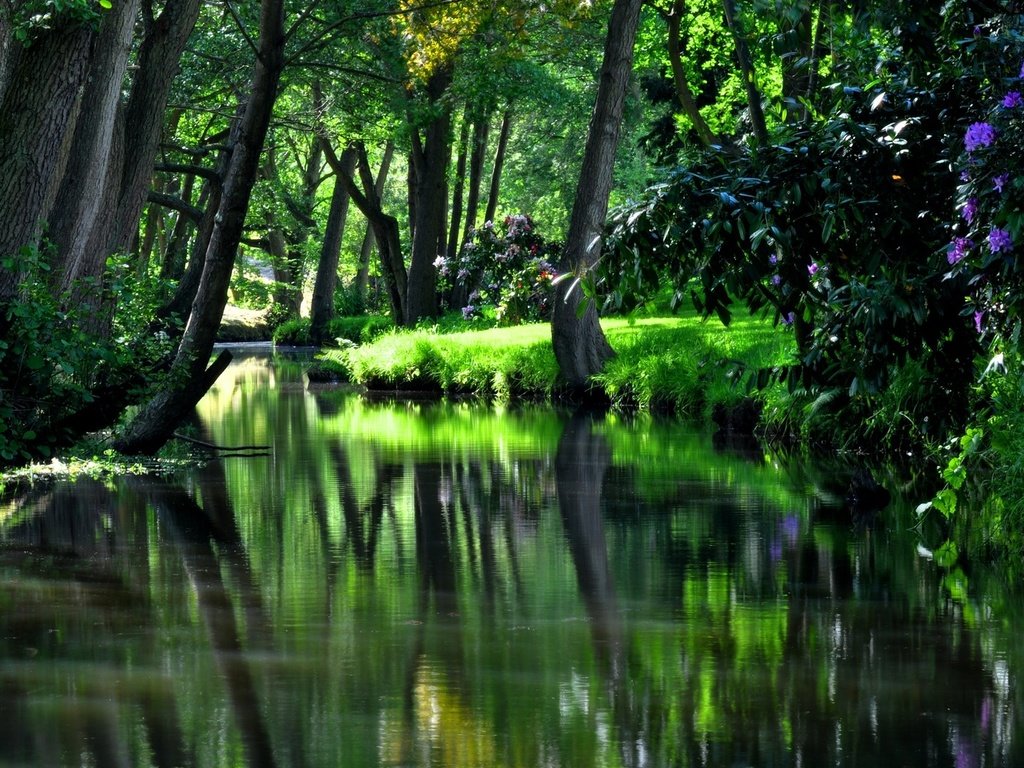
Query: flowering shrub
(990, 200)
(504, 267)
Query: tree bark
(37, 122)
(385, 227)
(322, 304)
(460, 184)
(157, 420)
(499, 164)
(81, 191)
(579, 343)
(363, 272)
(476, 172)
(158, 63)
(431, 162)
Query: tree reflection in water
(441, 585)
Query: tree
(579, 343)
(189, 376)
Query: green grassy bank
(676, 363)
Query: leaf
(945, 502)
(947, 555)
(34, 362)
(826, 230)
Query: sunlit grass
(676, 363)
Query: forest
(850, 173)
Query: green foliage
(672, 364)
(360, 329)
(52, 359)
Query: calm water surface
(423, 584)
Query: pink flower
(812, 269)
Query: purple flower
(999, 240)
(773, 259)
(958, 249)
(1012, 99)
(977, 30)
(812, 268)
(965, 176)
(1000, 181)
(970, 209)
(1021, 75)
(463, 274)
(468, 311)
(788, 318)
(979, 135)
(977, 321)
(776, 279)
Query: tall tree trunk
(157, 64)
(460, 184)
(81, 192)
(746, 63)
(363, 272)
(476, 172)
(385, 227)
(286, 295)
(431, 174)
(188, 380)
(499, 164)
(322, 303)
(579, 343)
(818, 49)
(683, 93)
(37, 122)
(173, 266)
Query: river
(419, 583)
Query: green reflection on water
(446, 584)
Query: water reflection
(430, 584)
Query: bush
(508, 269)
(356, 330)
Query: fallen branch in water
(215, 447)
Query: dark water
(424, 584)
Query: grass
(678, 363)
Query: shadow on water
(433, 584)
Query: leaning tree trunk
(476, 172)
(158, 63)
(322, 304)
(457, 194)
(499, 164)
(746, 63)
(37, 122)
(385, 227)
(189, 378)
(81, 192)
(579, 343)
(683, 93)
(363, 271)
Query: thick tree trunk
(476, 173)
(499, 164)
(363, 272)
(158, 63)
(683, 92)
(431, 162)
(322, 304)
(746, 63)
(37, 122)
(81, 192)
(579, 343)
(155, 423)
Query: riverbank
(673, 364)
